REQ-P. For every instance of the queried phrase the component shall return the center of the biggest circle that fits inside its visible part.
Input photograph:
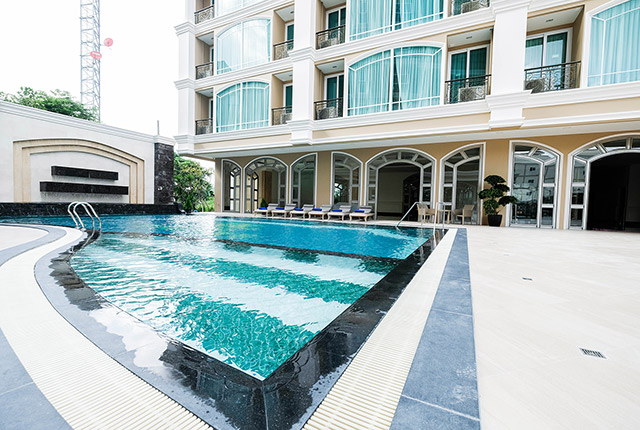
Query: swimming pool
(249, 292)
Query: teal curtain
(242, 106)
(556, 49)
(459, 66)
(369, 81)
(244, 45)
(414, 12)
(416, 77)
(369, 17)
(228, 6)
(615, 44)
(478, 62)
(288, 96)
(533, 53)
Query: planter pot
(494, 220)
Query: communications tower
(90, 54)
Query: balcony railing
(463, 6)
(204, 14)
(204, 70)
(281, 50)
(326, 109)
(330, 37)
(552, 78)
(204, 126)
(467, 90)
(281, 115)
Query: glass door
(289, 32)
(470, 63)
(542, 52)
(336, 18)
(334, 87)
(288, 95)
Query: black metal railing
(281, 50)
(204, 126)
(326, 109)
(463, 6)
(330, 37)
(552, 78)
(281, 115)
(204, 70)
(467, 90)
(204, 14)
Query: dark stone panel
(163, 174)
(76, 172)
(70, 187)
(43, 209)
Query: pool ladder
(73, 213)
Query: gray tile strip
(441, 391)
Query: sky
(40, 48)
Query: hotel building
(389, 102)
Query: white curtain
(414, 12)
(242, 106)
(228, 6)
(228, 104)
(369, 81)
(244, 45)
(416, 77)
(369, 17)
(615, 45)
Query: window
(288, 95)
(231, 178)
(409, 78)
(289, 32)
(244, 45)
(461, 180)
(546, 50)
(334, 86)
(466, 64)
(242, 106)
(346, 178)
(228, 6)
(336, 17)
(615, 43)
(303, 181)
(371, 17)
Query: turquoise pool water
(219, 285)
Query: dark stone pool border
(221, 395)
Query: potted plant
(495, 197)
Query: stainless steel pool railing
(439, 207)
(77, 220)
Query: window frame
(545, 35)
(468, 50)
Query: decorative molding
(584, 119)
(185, 27)
(584, 95)
(501, 6)
(506, 109)
(238, 15)
(185, 84)
(271, 67)
(251, 133)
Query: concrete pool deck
(538, 296)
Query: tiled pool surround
(220, 394)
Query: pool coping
(285, 399)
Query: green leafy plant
(58, 101)
(263, 203)
(191, 186)
(495, 197)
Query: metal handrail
(406, 213)
(204, 14)
(77, 220)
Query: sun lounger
(341, 212)
(321, 211)
(363, 213)
(266, 211)
(284, 211)
(304, 210)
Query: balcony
(552, 78)
(330, 37)
(204, 14)
(326, 109)
(281, 50)
(204, 70)
(281, 115)
(204, 126)
(463, 6)
(467, 90)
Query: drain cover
(592, 353)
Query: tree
(495, 196)
(58, 101)
(191, 187)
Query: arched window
(370, 17)
(242, 106)
(303, 181)
(227, 6)
(404, 78)
(346, 178)
(461, 180)
(265, 179)
(534, 182)
(580, 174)
(615, 43)
(231, 186)
(244, 45)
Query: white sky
(40, 48)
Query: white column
(186, 108)
(189, 10)
(304, 73)
(508, 97)
(304, 30)
(186, 77)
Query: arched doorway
(303, 181)
(462, 180)
(534, 176)
(345, 184)
(265, 179)
(397, 179)
(605, 186)
(231, 186)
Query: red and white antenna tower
(90, 54)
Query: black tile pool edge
(219, 394)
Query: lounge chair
(304, 210)
(321, 211)
(283, 210)
(467, 212)
(266, 211)
(340, 212)
(363, 213)
(425, 213)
